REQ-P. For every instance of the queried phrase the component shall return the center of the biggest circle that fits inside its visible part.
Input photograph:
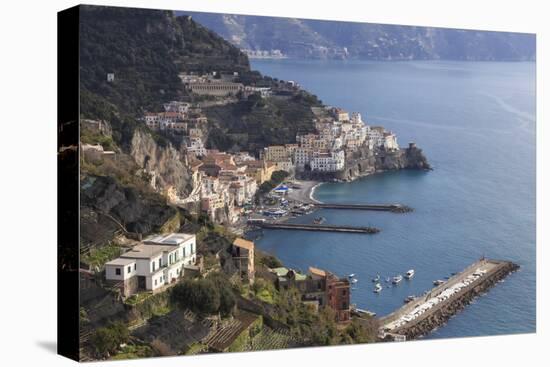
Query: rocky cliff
(103, 196)
(165, 164)
(366, 161)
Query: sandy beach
(305, 193)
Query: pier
(394, 208)
(429, 311)
(319, 227)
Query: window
(135, 266)
(129, 269)
(154, 266)
(155, 282)
(184, 252)
(117, 271)
(160, 262)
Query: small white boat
(351, 275)
(409, 274)
(376, 279)
(409, 299)
(377, 288)
(438, 282)
(397, 279)
(353, 281)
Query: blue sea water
(475, 122)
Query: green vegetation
(88, 136)
(138, 298)
(146, 50)
(133, 351)
(276, 178)
(244, 339)
(267, 260)
(106, 340)
(257, 122)
(264, 290)
(98, 256)
(205, 296)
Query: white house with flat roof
(157, 261)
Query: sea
(476, 123)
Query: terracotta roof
(240, 242)
(316, 271)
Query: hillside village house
(318, 289)
(242, 252)
(155, 262)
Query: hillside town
(225, 183)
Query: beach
(305, 193)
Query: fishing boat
(319, 220)
(438, 282)
(376, 279)
(397, 279)
(377, 288)
(409, 274)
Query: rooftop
(145, 251)
(316, 271)
(120, 262)
(240, 242)
(173, 239)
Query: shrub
(106, 340)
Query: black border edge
(68, 183)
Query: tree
(106, 340)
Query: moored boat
(438, 282)
(376, 279)
(409, 299)
(409, 274)
(397, 279)
(377, 288)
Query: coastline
(305, 193)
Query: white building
(328, 161)
(302, 156)
(157, 261)
(390, 141)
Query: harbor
(421, 315)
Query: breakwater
(319, 227)
(394, 208)
(432, 310)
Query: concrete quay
(429, 311)
(319, 227)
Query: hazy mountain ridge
(319, 39)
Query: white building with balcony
(155, 262)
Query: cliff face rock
(135, 211)
(165, 164)
(365, 162)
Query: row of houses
(337, 135)
(227, 182)
(318, 288)
(177, 117)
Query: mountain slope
(146, 50)
(303, 38)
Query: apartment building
(153, 263)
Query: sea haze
(476, 123)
